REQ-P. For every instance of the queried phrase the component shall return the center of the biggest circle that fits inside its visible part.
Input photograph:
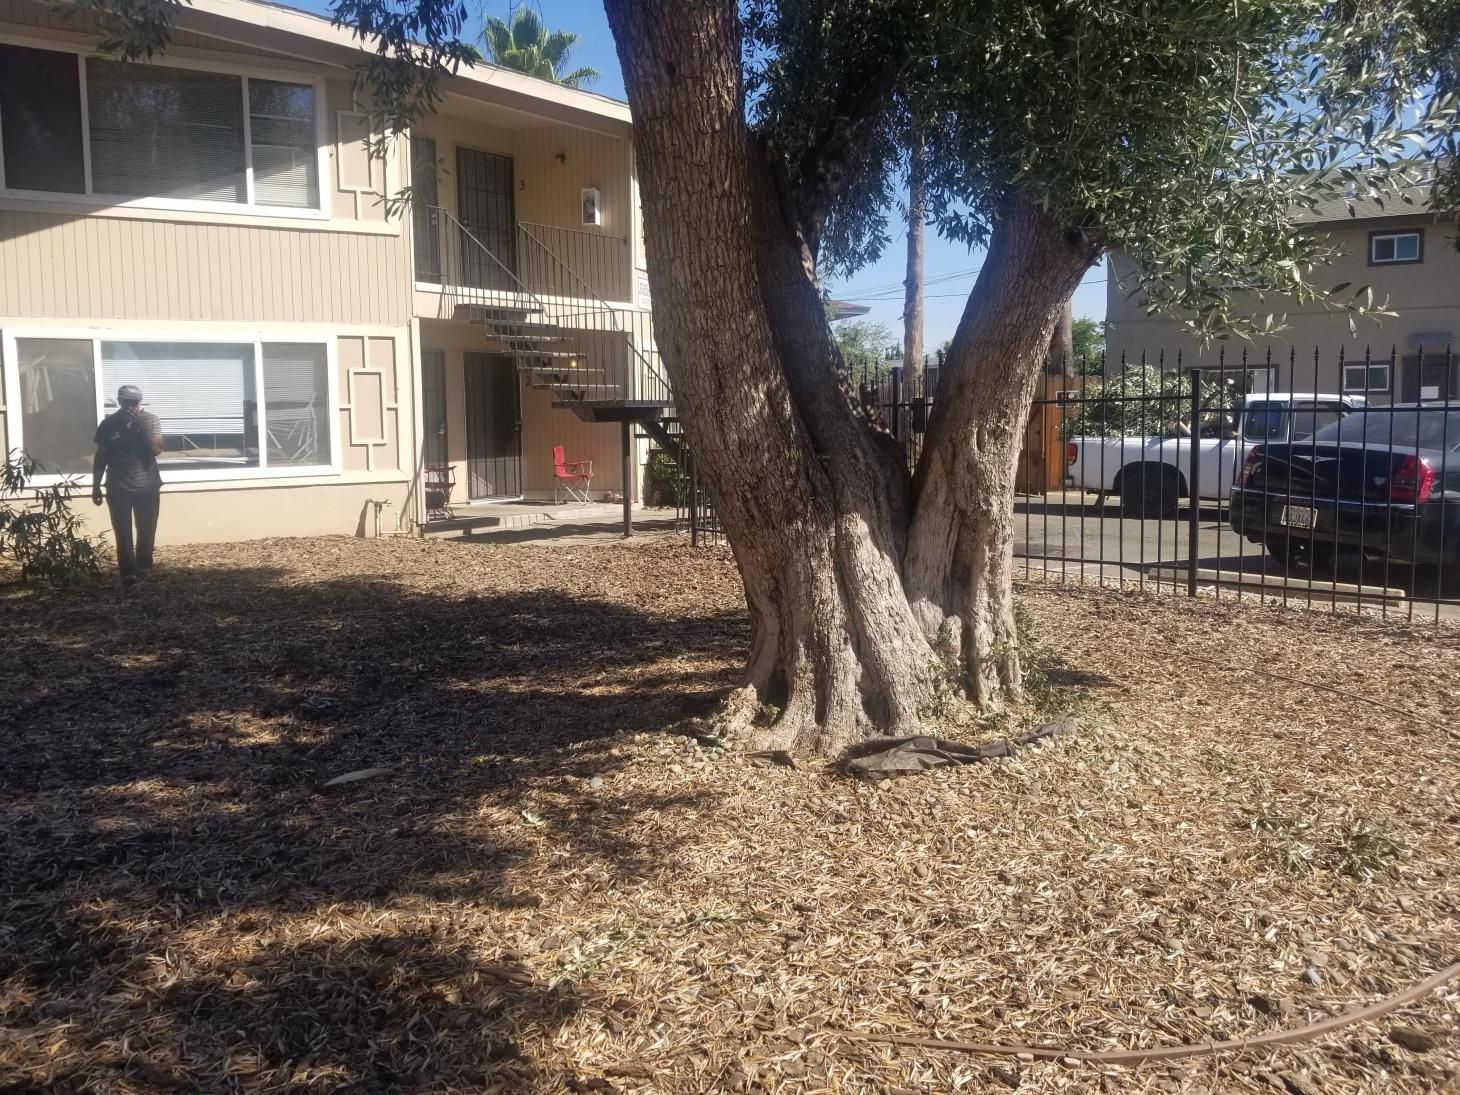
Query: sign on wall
(641, 293)
(592, 205)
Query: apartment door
(493, 428)
(1434, 379)
(484, 207)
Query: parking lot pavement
(1078, 533)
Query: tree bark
(872, 595)
(912, 309)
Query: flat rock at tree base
(884, 757)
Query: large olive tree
(1191, 134)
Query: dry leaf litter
(540, 890)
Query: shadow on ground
(186, 907)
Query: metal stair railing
(543, 336)
(561, 280)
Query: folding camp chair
(573, 476)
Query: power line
(894, 287)
(933, 296)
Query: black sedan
(1384, 481)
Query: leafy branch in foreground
(40, 531)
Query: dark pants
(125, 506)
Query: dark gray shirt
(130, 464)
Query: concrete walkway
(551, 523)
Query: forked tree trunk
(873, 596)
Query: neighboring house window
(206, 394)
(166, 133)
(1394, 248)
(1366, 377)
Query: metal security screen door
(484, 205)
(493, 428)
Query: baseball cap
(129, 393)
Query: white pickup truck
(1152, 474)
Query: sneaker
(129, 580)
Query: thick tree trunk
(912, 306)
(871, 596)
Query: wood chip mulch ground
(547, 893)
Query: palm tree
(527, 46)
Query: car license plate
(1298, 517)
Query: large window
(156, 132)
(226, 408)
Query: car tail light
(1413, 481)
(1254, 458)
(1072, 453)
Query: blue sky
(952, 261)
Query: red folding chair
(440, 485)
(573, 476)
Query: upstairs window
(40, 121)
(155, 132)
(165, 132)
(1395, 248)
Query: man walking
(127, 444)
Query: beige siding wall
(101, 268)
(1426, 297)
(543, 426)
(193, 515)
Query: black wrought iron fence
(1327, 481)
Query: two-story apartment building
(214, 226)
(1403, 251)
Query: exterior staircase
(597, 360)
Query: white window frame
(194, 205)
(1419, 247)
(236, 336)
(1368, 368)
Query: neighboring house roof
(309, 37)
(1340, 210)
(842, 309)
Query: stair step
(516, 328)
(502, 308)
(532, 338)
(562, 370)
(534, 355)
(600, 391)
